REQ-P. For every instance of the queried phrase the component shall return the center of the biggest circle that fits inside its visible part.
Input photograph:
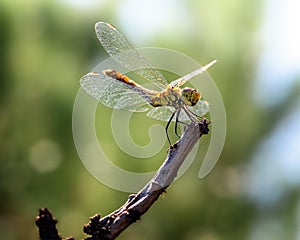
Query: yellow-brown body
(171, 96)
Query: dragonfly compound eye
(190, 96)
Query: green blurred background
(253, 192)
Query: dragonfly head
(190, 96)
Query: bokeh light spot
(45, 156)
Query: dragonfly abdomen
(152, 97)
(120, 77)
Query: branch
(46, 224)
(110, 226)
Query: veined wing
(180, 81)
(164, 113)
(161, 113)
(118, 47)
(113, 93)
(201, 108)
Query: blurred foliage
(46, 46)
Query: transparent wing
(180, 81)
(118, 47)
(112, 93)
(201, 108)
(161, 113)
(165, 113)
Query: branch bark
(46, 224)
(110, 226)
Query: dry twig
(110, 226)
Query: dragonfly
(115, 90)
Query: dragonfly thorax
(190, 96)
(176, 97)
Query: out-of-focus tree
(46, 46)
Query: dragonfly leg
(196, 115)
(176, 122)
(191, 117)
(167, 126)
